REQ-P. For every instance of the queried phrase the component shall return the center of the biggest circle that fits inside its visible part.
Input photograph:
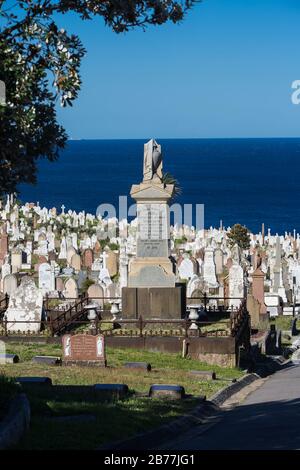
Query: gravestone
(5, 271)
(95, 294)
(236, 285)
(258, 278)
(3, 245)
(84, 350)
(16, 261)
(71, 289)
(209, 269)
(219, 261)
(186, 269)
(112, 263)
(46, 278)
(70, 252)
(76, 262)
(25, 305)
(88, 258)
(10, 284)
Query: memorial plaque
(84, 350)
(153, 231)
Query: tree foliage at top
(239, 235)
(40, 65)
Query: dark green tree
(40, 65)
(239, 235)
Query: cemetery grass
(282, 322)
(111, 421)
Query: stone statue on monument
(152, 161)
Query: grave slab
(6, 358)
(49, 360)
(171, 392)
(203, 374)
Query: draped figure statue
(152, 161)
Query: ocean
(247, 181)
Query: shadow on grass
(112, 420)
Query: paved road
(269, 418)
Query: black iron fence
(57, 322)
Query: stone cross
(63, 209)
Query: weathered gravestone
(112, 263)
(95, 294)
(88, 258)
(236, 285)
(219, 260)
(71, 289)
(25, 306)
(84, 350)
(186, 269)
(76, 262)
(10, 284)
(46, 278)
(70, 252)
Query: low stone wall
(15, 423)
(215, 351)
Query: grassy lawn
(110, 420)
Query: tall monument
(151, 288)
(152, 266)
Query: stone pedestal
(160, 303)
(151, 291)
(152, 266)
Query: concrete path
(269, 418)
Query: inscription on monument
(152, 237)
(84, 349)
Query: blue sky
(225, 71)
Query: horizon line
(183, 138)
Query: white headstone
(9, 284)
(46, 278)
(186, 269)
(236, 284)
(25, 305)
(209, 269)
